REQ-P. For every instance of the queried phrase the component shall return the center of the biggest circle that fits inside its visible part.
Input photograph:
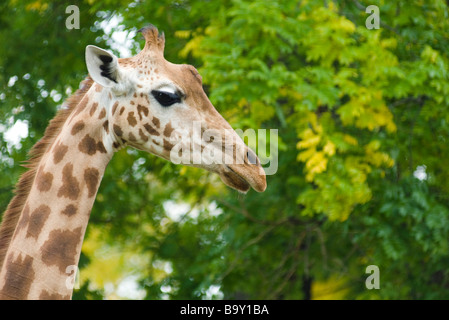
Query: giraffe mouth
(243, 181)
(234, 180)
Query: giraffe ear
(102, 66)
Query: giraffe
(143, 102)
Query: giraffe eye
(165, 98)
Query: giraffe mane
(23, 187)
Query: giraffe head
(161, 107)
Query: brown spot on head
(70, 210)
(168, 130)
(77, 127)
(156, 122)
(88, 145)
(70, 186)
(44, 180)
(122, 110)
(93, 109)
(118, 131)
(61, 248)
(168, 145)
(131, 119)
(151, 130)
(59, 152)
(142, 135)
(132, 137)
(142, 110)
(19, 276)
(37, 220)
(91, 177)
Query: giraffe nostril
(251, 156)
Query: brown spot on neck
(88, 145)
(18, 279)
(102, 114)
(44, 180)
(59, 152)
(92, 178)
(93, 109)
(70, 210)
(100, 147)
(118, 131)
(77, 127)
(61, 248)
(114, 107)
(45, 295)
(37, 220)
(70, 186)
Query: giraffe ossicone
(144, 102)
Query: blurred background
(363, 124)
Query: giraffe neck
(46, 244)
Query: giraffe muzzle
(242, 177)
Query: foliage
(360, 113)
